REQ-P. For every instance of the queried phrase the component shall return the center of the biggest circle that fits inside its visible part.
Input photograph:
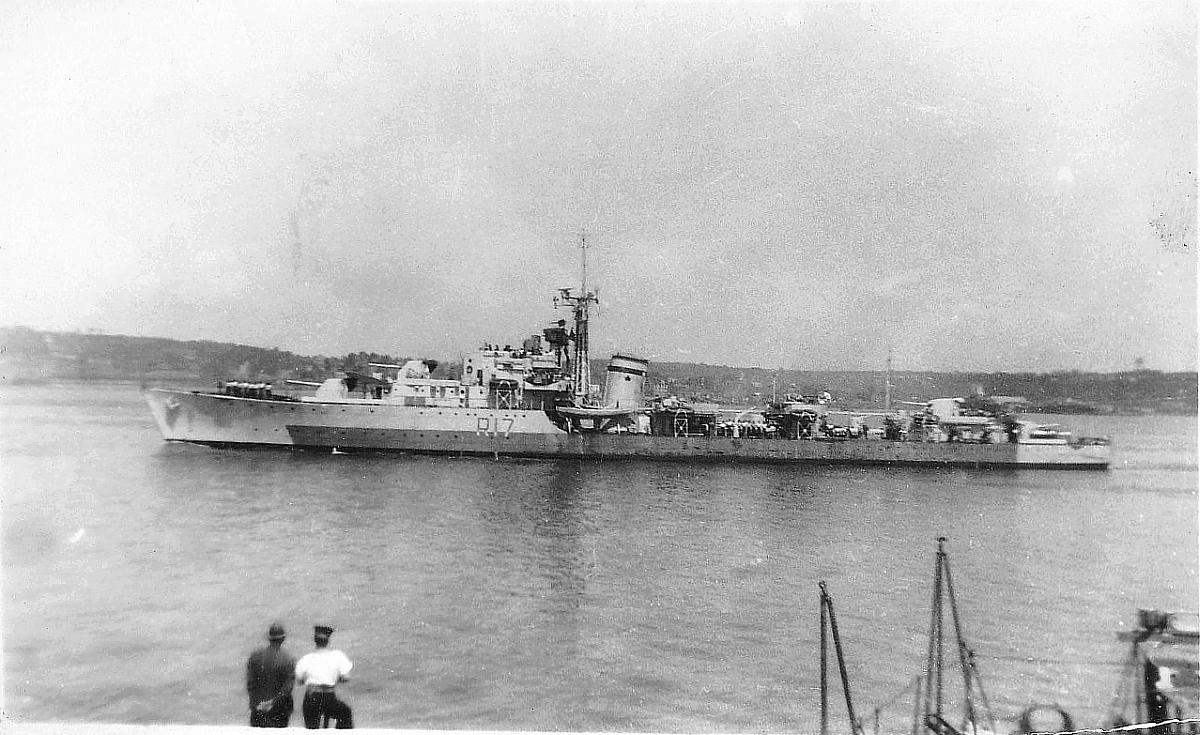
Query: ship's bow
(166, 406)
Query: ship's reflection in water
(526, 595)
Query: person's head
(276, 634)
(321, 635)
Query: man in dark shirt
(269, 676)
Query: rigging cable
(933, 659)
(965, 656)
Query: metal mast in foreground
(931, 712)
(829, 627)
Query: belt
(320, 688)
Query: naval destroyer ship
(537, 400)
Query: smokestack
(625, 377)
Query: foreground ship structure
(537, 400)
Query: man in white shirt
(320, 672)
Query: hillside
(1139, 391)
(28, 355)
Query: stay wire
(966, 656)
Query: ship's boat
(536, 399)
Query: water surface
(559, 595)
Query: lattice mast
(581, 372)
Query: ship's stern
(1082, 455)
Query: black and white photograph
(599, 367)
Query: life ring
(1025, 721)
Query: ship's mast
(581, 373)
(887, 384)
(583, 261)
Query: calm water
(474, 593)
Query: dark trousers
(320, 707)
(277, 716)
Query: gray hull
(633, 446)
(223, 421)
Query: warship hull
(366, 425)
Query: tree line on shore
(28, 355)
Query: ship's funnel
(625, 377)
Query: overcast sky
(995, 186)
